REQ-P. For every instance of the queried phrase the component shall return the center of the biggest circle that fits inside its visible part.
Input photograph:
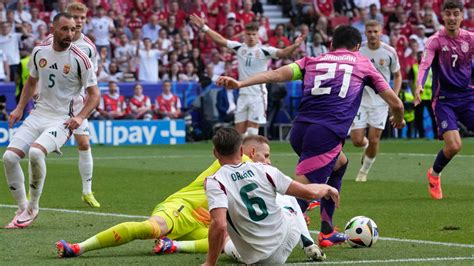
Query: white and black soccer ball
(361, 232)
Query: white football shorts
(251, 108)
(83, 129)
(375, 117)
(47, 131)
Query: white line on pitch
(82, 212)
(145, 217)
(388, 261)
(418, 241)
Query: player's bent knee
(454, 148)
(36, 154)
(10, 158)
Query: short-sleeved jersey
(62, 75)
(385, 60)
(252, 60)
(452, 69)
(193, 194)
(255, 222)
(88, 47)
(332, 88)
(85, 44)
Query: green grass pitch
(131, 180)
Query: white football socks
(38, 176)
(367, 164)
(15, 178)
(85, 169)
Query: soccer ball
(361, 232)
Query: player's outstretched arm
(217, 233)
(284, 73)
(288, 51)
(215, 36)
(28, 92)
(396, 108)
(313, 191)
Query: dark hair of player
(453, 4)
(252, 26)
(61, 15)
(346, 37)
(227, 141)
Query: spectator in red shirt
(325, 7)
(203, 43)
(246, 15)
(388, 6)
(279, 35)
(232, 21)
(401, 41)
(140, 104)
(134, 21)
(415, 15)
(406, 27)
(218, 6)
(221, 17)
(112, 105)
(179, 14)
(168, 105)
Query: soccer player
(61, 71)
(242, 203)
(373, 111)
(332, 89)
(449, 53)
(79, 12)
(257, 149)
(252, 58)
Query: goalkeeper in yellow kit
(181, 216)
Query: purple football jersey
(332, 88)
(452, 68)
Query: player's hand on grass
(73, 122)
(418, 92)
(397, 123)
(196, 21)
(15, 116)
(228, 82)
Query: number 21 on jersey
(330, 74)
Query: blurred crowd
(151, 41)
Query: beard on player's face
(65, 42)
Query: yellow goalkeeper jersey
(193, 194)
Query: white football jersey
(252, 61)
(385, 60)
(62, 75)
(255, 222)
(88, 47)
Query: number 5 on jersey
(51, 80)
(330, 74)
